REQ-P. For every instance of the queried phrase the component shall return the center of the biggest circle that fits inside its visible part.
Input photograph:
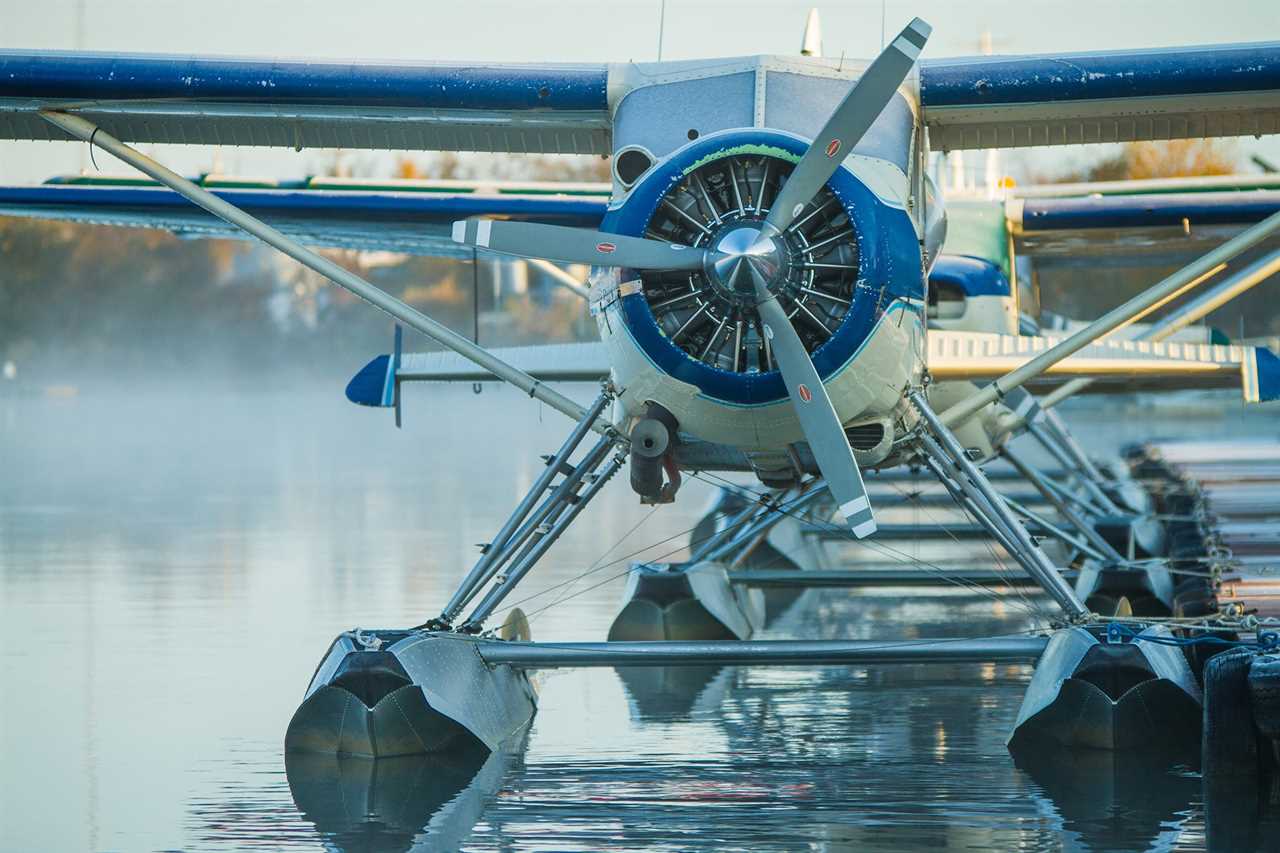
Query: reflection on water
(173, 564)
(394, 804)
(1115, 801)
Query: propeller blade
(862, 106)
(575, 245)
(818, 419)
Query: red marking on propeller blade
(805, 394)
(605, 248)
(832, 147)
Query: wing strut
(1247, 278)
(87, 131)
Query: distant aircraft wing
(375, 383)
(1140, 229)
(1105, 96)
(1116, 366)
(397, 221)
(549, 108)
(1147, 229)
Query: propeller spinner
(749, 262)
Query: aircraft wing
(428, 106)
(975, 102)
(1148, 229)
(1103, 96)
(1116, 366)
(375, 384)
(397, 221)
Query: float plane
(776, 292)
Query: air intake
(865, 436)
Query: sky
(574, 30)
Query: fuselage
(851, 271)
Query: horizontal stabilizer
(1115, 366)
(375, 386)
(584, 362)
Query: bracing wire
(594, 566)
(1001, 566)
(573, 580)
(894, 554)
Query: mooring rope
(1120, 630)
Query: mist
(84, 306)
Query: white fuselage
(869, 386)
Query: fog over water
(174, 561)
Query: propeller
(846, 126)
(844, 129)
(749, 258)
(575, 245)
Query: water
(173, 563)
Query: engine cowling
(850, 258)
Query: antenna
(882, 13)
(662, 25)
(811, 41)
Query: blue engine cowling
(890, 266)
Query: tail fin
(378, 382)
(1261, 369)
(374, 385)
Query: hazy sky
(573, 30)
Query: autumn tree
(1176, 158)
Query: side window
(946, 300)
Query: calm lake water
(174, 563)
